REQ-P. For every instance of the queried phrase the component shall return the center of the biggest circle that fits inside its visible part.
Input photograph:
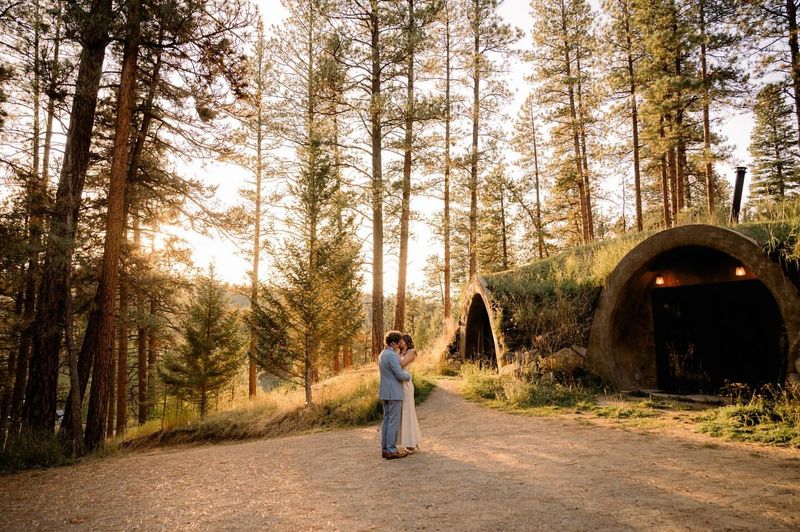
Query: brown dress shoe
(392, 456)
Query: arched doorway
(479, 340)
(691, 309)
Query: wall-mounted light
(740, 271)
(659, 280)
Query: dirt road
(480, 469)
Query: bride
(409, 436)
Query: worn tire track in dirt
(480, 469)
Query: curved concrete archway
(697, 263)
(479, 339)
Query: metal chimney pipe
(737, 194)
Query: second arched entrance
(692, 309)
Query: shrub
(481, 384)
(771, 416)
(25, 452)
(523, 391)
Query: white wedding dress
(409, 436)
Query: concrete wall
(621, 346)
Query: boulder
(511, 369)
(578, 349)
(797, 365)
(565, 360)
(529, 357)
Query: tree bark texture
(114, 230)
(40, 397)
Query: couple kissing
(400, 435)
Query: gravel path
(480, 469)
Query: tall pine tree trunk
(74, 383)
(114, 229)
(377, 182)
(91, 338)
(110, 411)
(141, 336)
(473, 163)
(405, 210)
(503, 228)
(448, 311)
(664, 177)
(672, 160)
(538, 219)
(308, 369)
(794, 54)
(35, 194)
(680, 155)
(122, 352)
(152, 356)
(52, 96)
(253, 348)
(40, 396)
(707, 157)
(580, 181)
(582, 119)
(637, 174)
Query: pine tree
(722, 78)
(772, 26)
(40, 396)
(297, 314)
(495, 252)
(252, 141)
(420, 15)
(563, 46)
(159, 191)
(211, 353)
(102, 372)
(772, 146)
(671, 80)
(491, 42)
(623, 48)
(450, 14)
(373, 33)
(527, 144)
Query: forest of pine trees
(359, 135)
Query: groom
(391, 394)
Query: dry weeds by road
(480, 469)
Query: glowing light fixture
(659, 280)
(740, 271)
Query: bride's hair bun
(409, 341)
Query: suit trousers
(392, 410)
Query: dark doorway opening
(707, 335)
(479, 346)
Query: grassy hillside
(549, 304)
(347, 400)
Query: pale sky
(233, 267)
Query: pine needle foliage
(211, 352)
(772, 145)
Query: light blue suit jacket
(392, 374)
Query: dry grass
(433, 359)
(349, 399)
(769, 417)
